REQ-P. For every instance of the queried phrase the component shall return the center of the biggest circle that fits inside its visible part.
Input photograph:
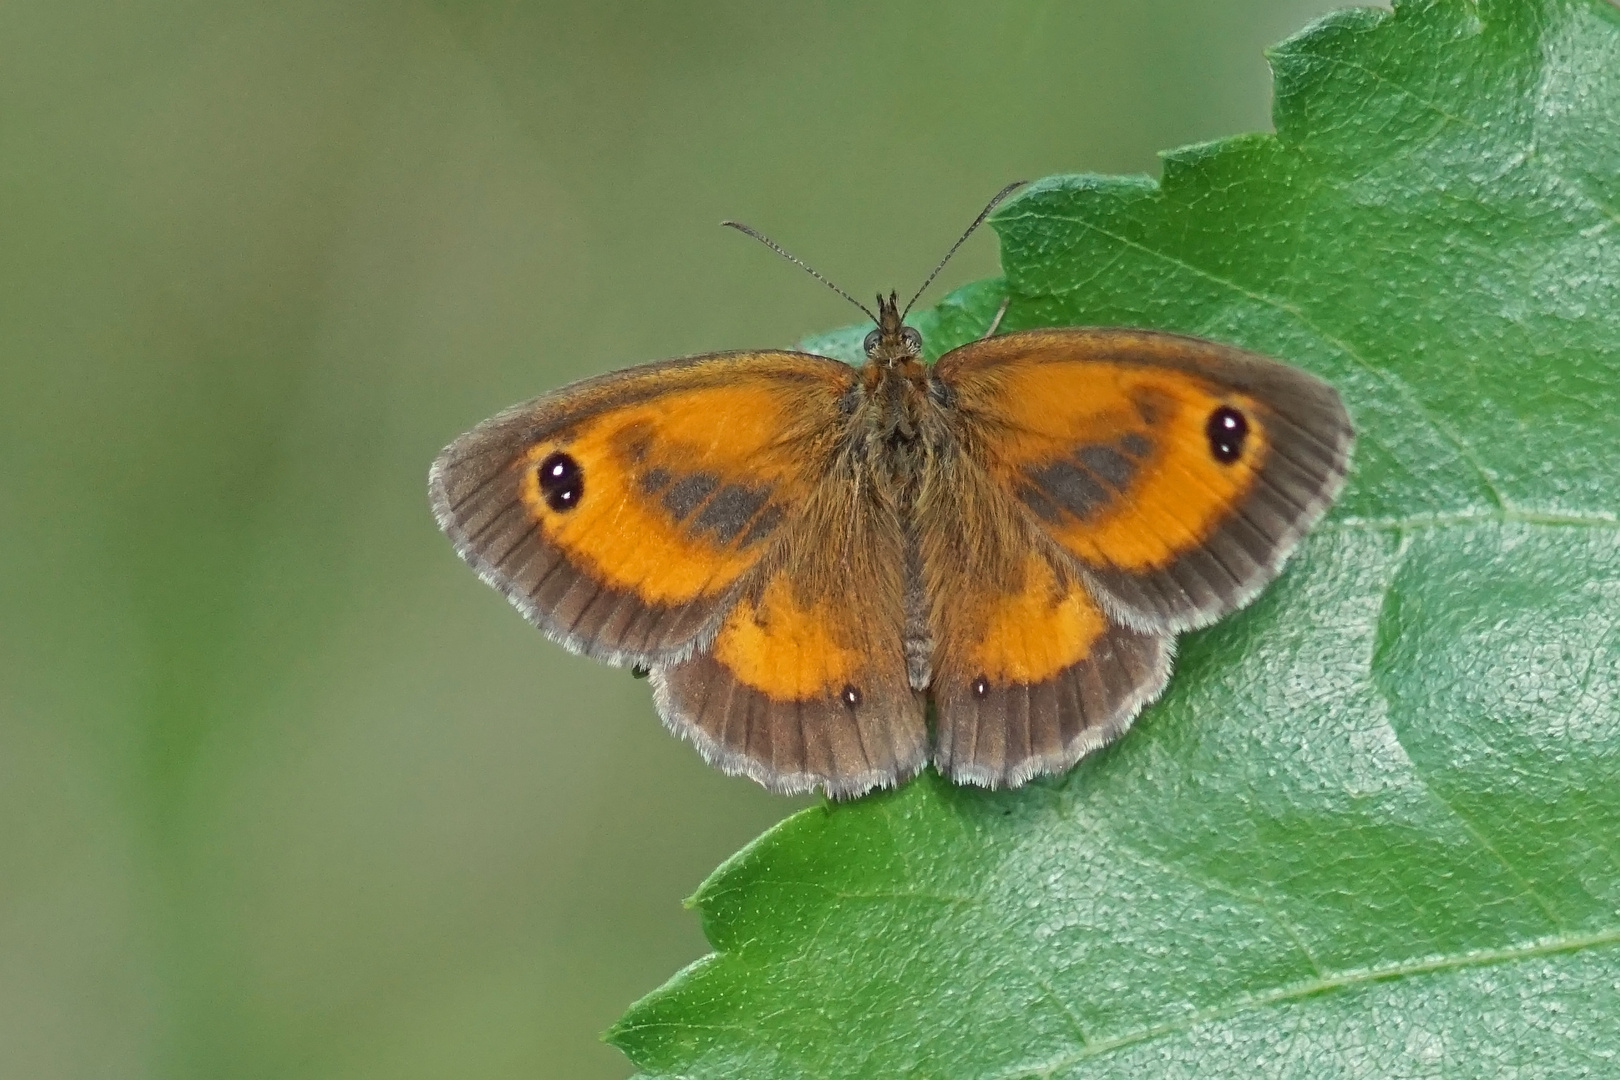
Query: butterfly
(835, 575)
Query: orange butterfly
(807, 555)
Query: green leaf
(1373, 829)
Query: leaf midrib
(1463, 520)
(1550, 946)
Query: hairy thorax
(900, 427)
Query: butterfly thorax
(896, 404)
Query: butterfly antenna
(1002, 194)
(802, 265)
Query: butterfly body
(814, 560)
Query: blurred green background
(284, 790)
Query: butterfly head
(892, 342)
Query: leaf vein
(1350, 978)
(1512, 516)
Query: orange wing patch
(789, 649)
(677, 492)
(1032, 633)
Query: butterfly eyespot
(639, 672)
(981, 687)
(850, 695)
(1227, 430)
(871, 341)
(912, 336)
(562, 481)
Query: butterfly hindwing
(621, 514)
(1178, 473)
(1028, 672)
(804, 684)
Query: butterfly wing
(622, 514)
(805, 683)
(1177, 473)
(1109, 489)
(1028, 673)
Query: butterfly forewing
(621, 514)
(1178, 473)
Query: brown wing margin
(1016, 731)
